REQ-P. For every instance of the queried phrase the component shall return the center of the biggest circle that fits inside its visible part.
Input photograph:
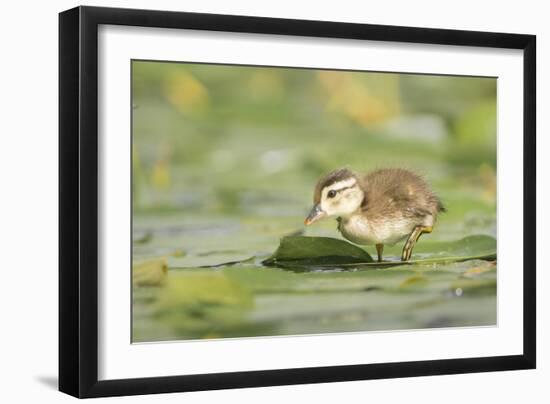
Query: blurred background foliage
(226, 139)
(225, 158)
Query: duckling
(382, 207)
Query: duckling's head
(336, 194)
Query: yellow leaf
(149, 273)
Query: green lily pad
(208, 260)
(316, 251)
(465, 247)
(303, 252)
(203, 305)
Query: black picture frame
(78, 201)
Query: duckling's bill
(316, 214)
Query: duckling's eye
(331, 193)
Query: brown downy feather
(396, 190)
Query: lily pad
(204, 304)
(316, 251)
(149, 273)
(212, 259)
(303, 252)
(465, 247)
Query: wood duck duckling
(382, 207)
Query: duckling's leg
(411, 241)
(379, 251)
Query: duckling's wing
(416, 211)
(391, 192)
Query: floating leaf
(204, 287)
(203, 303)
(274, 280)
(470, 246)
(300, 252)
(316, 251)
(212, 259)
(149, 273)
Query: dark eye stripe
(332, 193)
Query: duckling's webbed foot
(411, 241)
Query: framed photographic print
(251, 201)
